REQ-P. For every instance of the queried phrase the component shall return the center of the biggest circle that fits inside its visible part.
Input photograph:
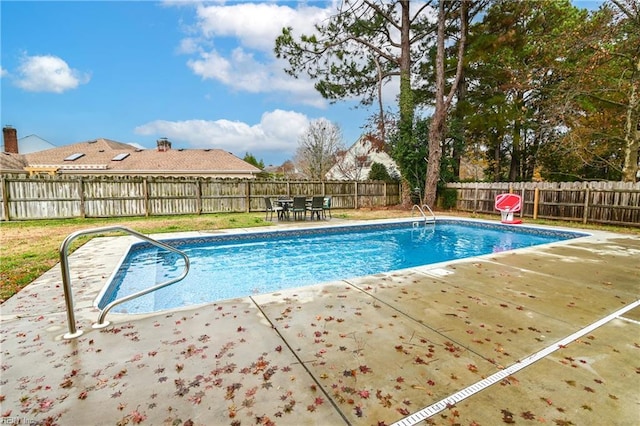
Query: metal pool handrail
(424, 207)
(66, 280)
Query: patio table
(287, 204)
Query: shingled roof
(12, 163)
(104, 156)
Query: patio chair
(271, 208)
(316, 207)
(299, 207)
(326, 207)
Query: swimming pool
(239, 265)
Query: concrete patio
(366, 351)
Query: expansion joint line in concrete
(451, 400)
(302, 363)
(416, 320)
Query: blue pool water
(230, 266)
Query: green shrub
(448, 198)
(379, 172)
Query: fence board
(105, 197)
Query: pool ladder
(66, 280)
(421, 210)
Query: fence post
(536, 198)
(199, 195)
(355, 202)
(475, 198)
(5, 198)
(145, 190)
(248, 198)
(83, 212)
(385, 194)
(585, 214)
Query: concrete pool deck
(365, 351)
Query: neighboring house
(26, 145)
(287, 170)
(12, 163)
(107, 157)
(472, 169)
(355, 163)
(104, 157)
(33, 143)
(10, 160)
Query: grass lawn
(30, 248)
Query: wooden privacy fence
(616, 203)
(51, 197)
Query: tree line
(531, 90)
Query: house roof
(12, 162)
(33, 143)
(104, 155)
(355, 163)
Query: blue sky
(201, 74)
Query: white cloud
(284, 125)
(250, 65)
(240, 71)
(3, 72)
(188, 46)
(278, 131)
(256, 25)
(243, 73)
(48, 74)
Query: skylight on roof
(74, 157)
(120, 157)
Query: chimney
(10, 139)
(163, 144)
